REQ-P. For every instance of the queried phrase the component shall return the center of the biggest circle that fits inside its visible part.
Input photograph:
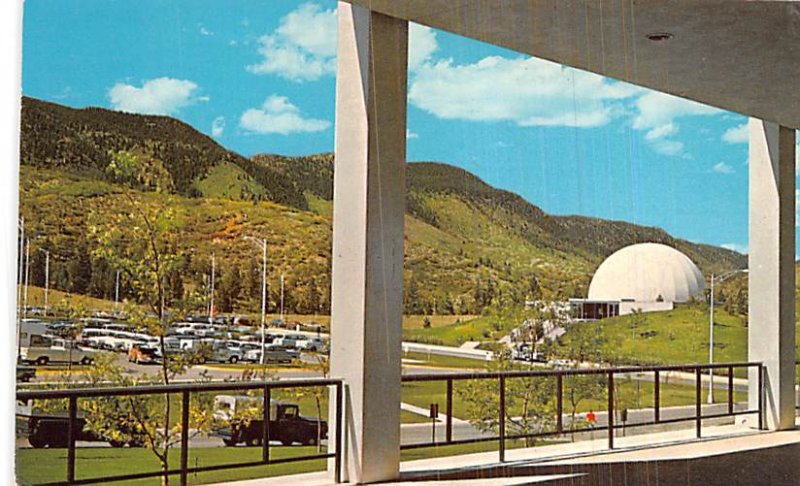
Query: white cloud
(668, 147)
(303, 47)
(411, 135)
(737, 134)
(722, 168)
(218, 127)
(735, 247)
(279, 115)
(656, 109)
(204, 31)
(657, 113)
(421, 45)
(661, 131)
(160, 96)
(525, 91)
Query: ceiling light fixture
(659, 36)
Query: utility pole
(711, 329)
(711, 345)
(211, 304)
(21, 225)
(27, 274)
(282, 314)
(263, 302)
(263, 292)
(46, 280)
(116, 291)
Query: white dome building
(644, 277)
(647, 272)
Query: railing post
(657, 397)
(502, 418)
(337, 461)
(73, 412)
(698, 387)
(265, 425)
(760, 396)
(610, 414)
(730, 390)
(560, 403)
(185, 439)
(449, 419)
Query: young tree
(141, 241)
(530, 402)
(322, 367)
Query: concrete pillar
(771, 330)
(368, 210)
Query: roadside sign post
(434, 414)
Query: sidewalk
(662, 446)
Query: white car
(312, 344)
(48, 349)
(195, 329)
(288, 340)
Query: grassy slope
(677, 336)
(445, 266)
(227, 180)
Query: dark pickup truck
(52, 429)
(286, 425)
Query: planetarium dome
(647, 272)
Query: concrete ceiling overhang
(742, 56)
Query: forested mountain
(84, 141)
(467, 244)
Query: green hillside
(84, 142)
(467, 243)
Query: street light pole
(46, 280)
(725, 276)
(211, 303)
(711, 345)
(27, 275)
(282, 314)
(263, 293)
(116, 292)
(21, 225)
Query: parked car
(220, 352)
(244, 423)
(140, 353)
(273, 353)
(25, 373)
(47, 349)
(52, 430)
(312, 344)
(288, 340)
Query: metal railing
(609, 374)
(185, 391)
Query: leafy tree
(230, 288)
(318, 393)
(141, 241)
(530, 402)
(579, 388)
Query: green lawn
(673, 337)
(36, 466)
(488, 327)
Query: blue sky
(259, 76)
